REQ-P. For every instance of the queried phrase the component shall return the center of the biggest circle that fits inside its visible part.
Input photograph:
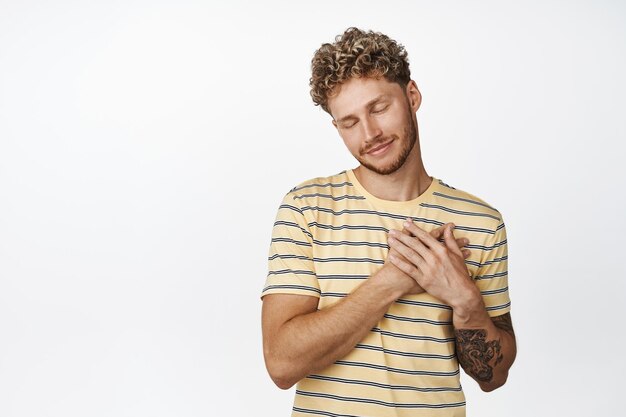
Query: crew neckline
(391, 203)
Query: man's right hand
(412, 287)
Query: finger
(406, 267)
(437, 233)
(450, 241)
(466, 253)
(421, 234)
(401, 245)
(394, 252)
(461, 242)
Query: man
(364, 307)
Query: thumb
(450, 241)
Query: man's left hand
(439, 269)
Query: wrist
(469, 310)
(390, 282)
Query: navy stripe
(289, 240)
(474, 229)
(338, 198)
(293, 224)
(492, 292)
(369, 260)
(499, 307)
(423, 303)
(334, 294)
(414, 320)
(494, 261)
(384, 229)
(378, 402)
(343, 276)
(351, 243)
(413, 337)
(348, 226)
(407, 354)
(291, 271)
(386, 386)
(463, 213)
(472, 263)
(290, 207)
(496, 275)
(328, 184)
(291, 287)
(283, 256)
(478, 203)
(396, 370)
(446, 185)
(372, 212)
(496, 245)
(481, 247)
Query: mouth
(379, 148)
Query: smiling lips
(380, 148)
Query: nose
(371, 130)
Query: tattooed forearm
(475, 353)
(503, 322)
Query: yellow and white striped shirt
(329, 236)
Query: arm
(299, 340)
(485, 347)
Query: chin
(383, 168)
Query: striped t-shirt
(329, 236)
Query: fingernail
(393, 232)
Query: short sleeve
(291, 269)
(492, 275)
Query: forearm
(485, 347)
(310, 342)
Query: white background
(145, 147)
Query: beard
(409, 137)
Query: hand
(439, 232)
(412, 286)
(438, 269)
(436, 233)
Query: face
(375, 119)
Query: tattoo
(503, 322)
(475, 353)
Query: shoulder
(329, 187)
(465, 202)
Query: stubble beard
(409, 133)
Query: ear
(335, 123)
(414, 95)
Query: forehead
(354, 94)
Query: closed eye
(380, 110)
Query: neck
(407, 183)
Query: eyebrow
(369, 104)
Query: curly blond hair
(356, 53)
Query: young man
(371, 302)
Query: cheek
(395, 120)
(392, 122)
(352, 141)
